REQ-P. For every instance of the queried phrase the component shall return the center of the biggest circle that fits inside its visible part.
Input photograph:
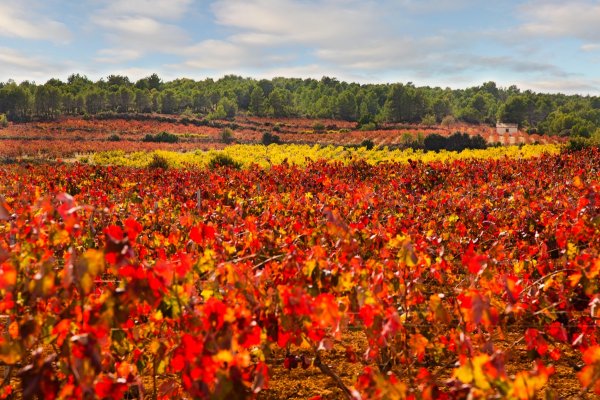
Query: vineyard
(70, 137)
(366, 276)
(265, 156)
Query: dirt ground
(299, 383)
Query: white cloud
(590, 47)
(20, 66)
(22, 20)
(159, 9)
(574, 19)
(117, 56)
(567, 86)
(329, 22)
(218, 54)
(350, 37)
(433, 6)
(136, 28)
(347, 33)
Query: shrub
(369, 126)
(456, 142)
(435, 142)
(114, 138)
(407, 139)
(318, 127)
(187, 114)
(226, 136)
(268, 138)
(158, 162)
(368, 143)
(428, 120)
(580, 143)
(162, 137)
(448, 120)
(223, 160)
(3, 121)
(478, 142)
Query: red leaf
(201, 233)
(557, 331)
(4, 214)
(367, 314)
(115, 233)
(178, 363)
(133, 228)
(472, 260)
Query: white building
(506, 128)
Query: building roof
(506, 125)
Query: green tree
(47, 101)
(149, 83)
(116, 81)
(257, 101)
(169, 101)
(16, 101)
(228, 106)
(369, 107)
(405, 103)
(280, 102)
(125, 99)
(345, 107)
(200, 102)
(142, 100)
(95, 101)
(514, 110)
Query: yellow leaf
(154, 346)
(13, 330)
(86, 283)
(309, 267)
(224, 356)
(464, 373)
(11, 352)
(481, 380)
(206, 294)
(571, 250)
(95, 261)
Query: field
(309, 272)
(69, 137)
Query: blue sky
(543, 45)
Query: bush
(226, 136)
(435, 142)
(223, 161)
(478, 142)
(114, 138)
(369, 126)
(318, 127)
(456, 142)
(268, 138)
(428, 120)
(162, 137)
(579, 143)
(448, 120)
(3, 121)
(158, 162)
(368, 143)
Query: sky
(542, 45)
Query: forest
(366, 104)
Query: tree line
(367, 104)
